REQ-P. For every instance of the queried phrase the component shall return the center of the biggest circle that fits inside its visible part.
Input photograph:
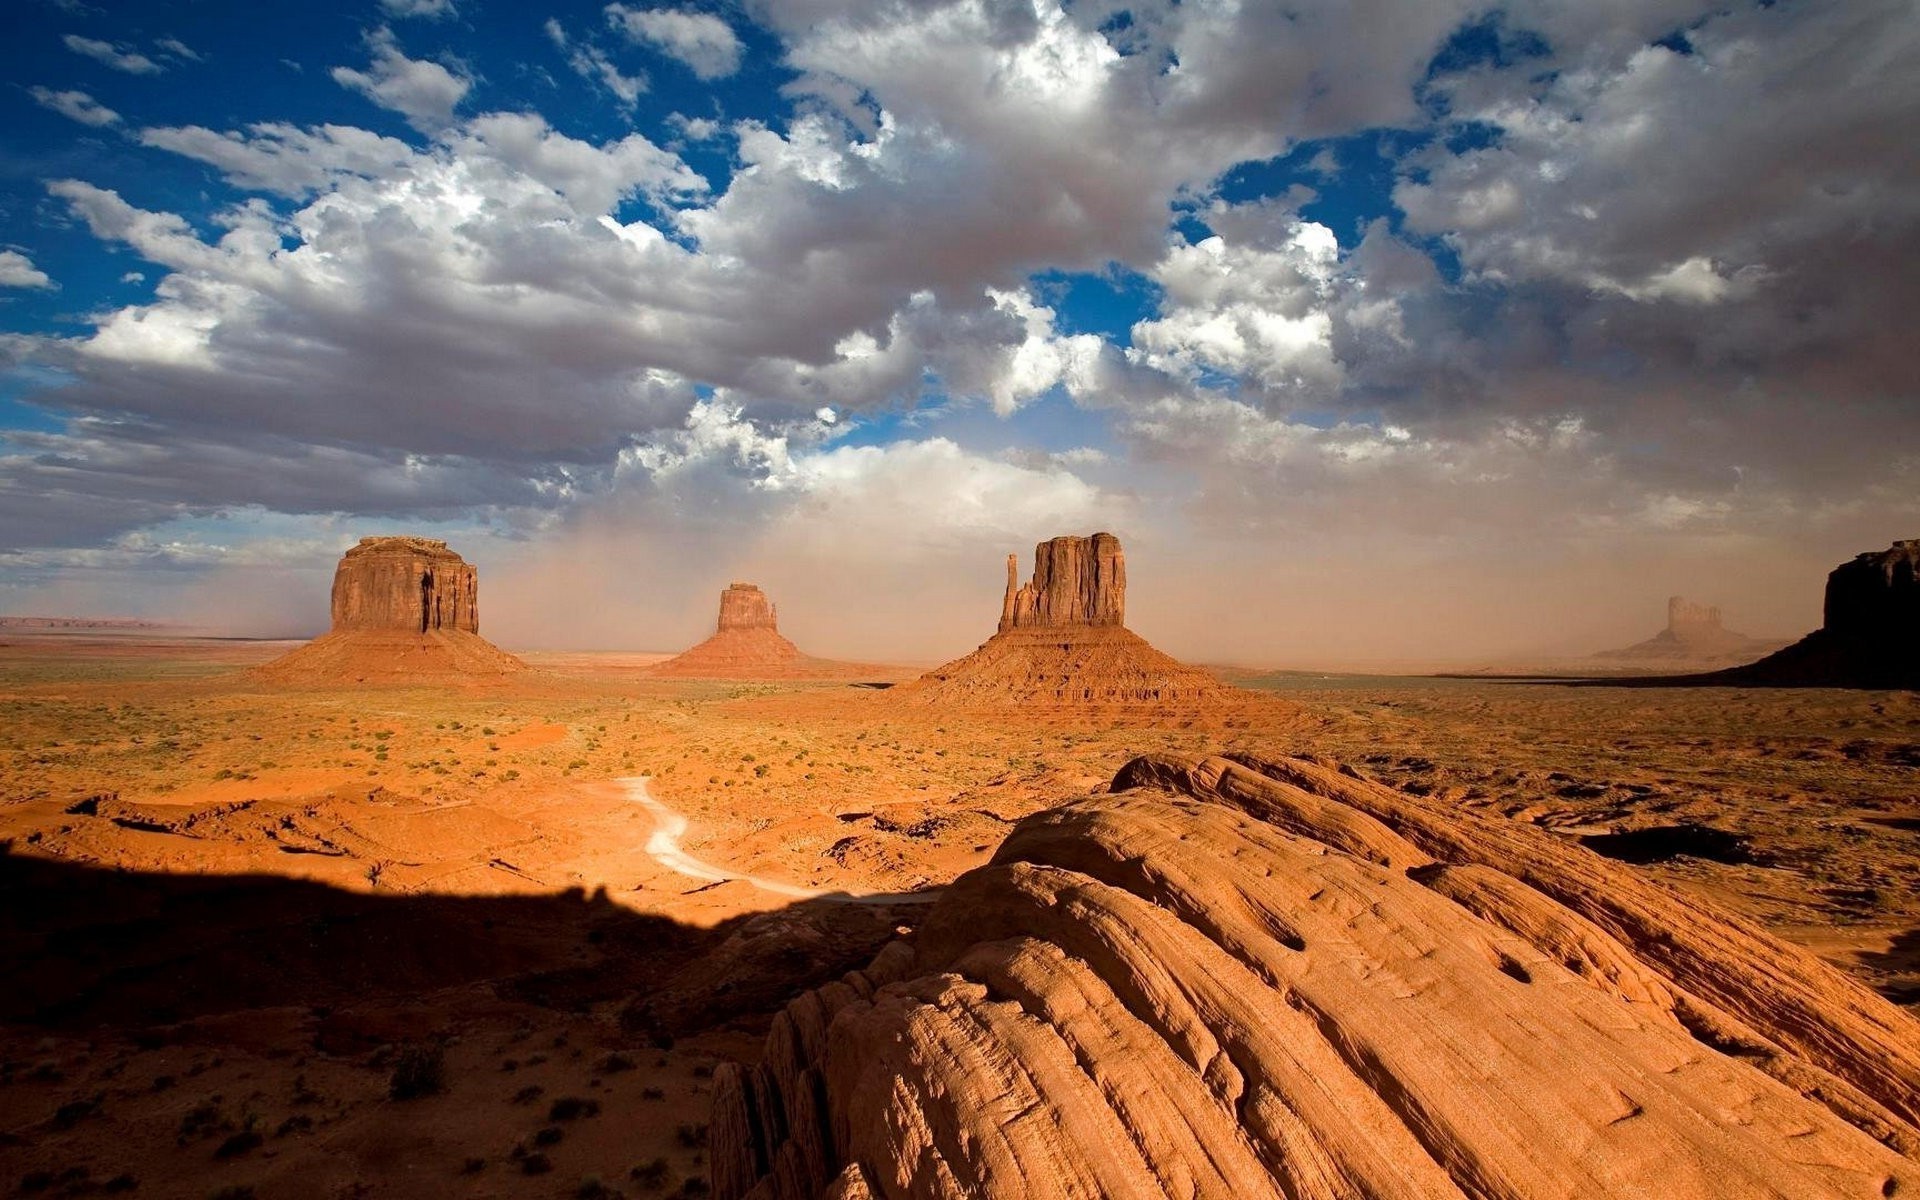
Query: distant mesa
(1870, 637)
(403, 608)
(1694, 638)
(1063, 641)
(746, 644)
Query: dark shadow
(1900, 961)
(89, 948)
(1664, 843)
(877, 685)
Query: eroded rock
(1236, 977)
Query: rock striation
(1245, 977)
(746, 644)
(403, 608)
(1694, 637)
(1869, 636)
(1063, 640)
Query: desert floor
(404, 942)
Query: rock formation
(1694, 638)
(1870, 635)
(1235, 977)
(746, 644)
(1062, 640)
(403, 607)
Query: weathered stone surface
(1062, 641)
(744, 606)
(1870, 636)
(407, 584)
(1267, 978)
(1076, 581)
(404, 609)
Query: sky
(1379, 332)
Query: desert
(584, 927)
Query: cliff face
(1237, 977)
(1062, 641)
(1686, 619)
(1870, 636)
(1076, 581)
(744, 606)
(405, 584)
(1876, 597)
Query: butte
(404, 608)
(746, 644)
(1063, 641)
(1869, 635)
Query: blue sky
(1558, 309)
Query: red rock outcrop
(403, 608)
(1063, 641)
(1235, 977)
(1870, 635)
(746, 644)
(1694, 637)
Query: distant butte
(403, 608)
(1694, 637)
(746, 644)
(1063, 641)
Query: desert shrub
(693, 1137)
(651, 1176)
(572, 1108)
(418, 1070)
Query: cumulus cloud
(18, 271)
(705, 43)
(119, 57)
(424, 92)
(75, 106)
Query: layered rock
(1062, 640)
(1870, 635)
(403, 608)
(746, 644)
(1694, 637)
(1235, 977)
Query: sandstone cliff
(403, 608)
(1062, 641)
(1870, 635)
(1247, 978)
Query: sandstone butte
(746, 644)
(403, 608)
(1694, 637)
(1869, 636)
(1063, 641)
(1236, 977)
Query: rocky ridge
(1062, 641)
(1237, 977)
(402, 608)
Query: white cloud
(591, 62)
(431, 9)
(284, 159)
(179, 49)
(120, 58)
(423, 92)
(705, 43)
(75, 106)
(18, 271)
